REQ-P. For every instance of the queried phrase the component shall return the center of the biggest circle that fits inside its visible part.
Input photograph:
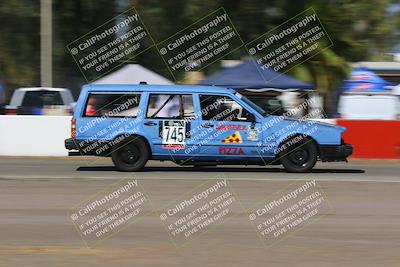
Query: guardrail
(373, 139)
(34, 135)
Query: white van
(369, 106)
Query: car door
(228, 129)
(168, 120)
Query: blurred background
(360, 31)
(355, 79)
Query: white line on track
(206, 178)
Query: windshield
(251, 104)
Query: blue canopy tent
(262, 86)
(249, 75)
(2, 93)
(362, 80)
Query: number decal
(173, 132)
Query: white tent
(133, 74)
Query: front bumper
(335, 152)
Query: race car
(195, 125)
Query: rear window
(42, 98)
(112, 105)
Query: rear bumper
(70, 144)
(84, 147)
(335, 152)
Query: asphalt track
(360, 228)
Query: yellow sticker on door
(234, 138)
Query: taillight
(73, 128)
(11, 111)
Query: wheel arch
(137, 136)
(301, 136)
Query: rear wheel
(298, 157)
(130, 155)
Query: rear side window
(169, 106)
(42, 98)
(112, 105)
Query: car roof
(41, 89)
(156, 88)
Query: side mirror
(248, 117)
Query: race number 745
(173, 134)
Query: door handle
(207, 125)
(150, 123)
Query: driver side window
(223, 108)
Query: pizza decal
(234, 138)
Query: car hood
(276, 121)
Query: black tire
(130, 154)
(298, 156)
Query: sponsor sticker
(231, 128)
(252, 134)
(230, 151)
(175, 147)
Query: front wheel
(298, 157)
(130, 155)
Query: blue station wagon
(195, 125)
